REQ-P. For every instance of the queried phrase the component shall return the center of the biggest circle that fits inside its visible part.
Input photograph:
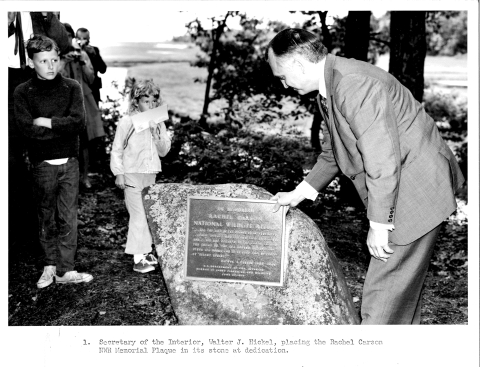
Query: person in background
(96, 149)
(49, 113)
(381, 138)
(134, 160)
(99, 66)
(76, 64)
(21, 25)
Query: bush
(227, 154)
(273, 162)
(449, 112)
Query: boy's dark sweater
(59, 99)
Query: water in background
(141, 52)
(120, 56)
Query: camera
(77, 51)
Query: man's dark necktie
(323, 103)
(19, 45)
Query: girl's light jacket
(142, 152)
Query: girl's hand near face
(154, 130)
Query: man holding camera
(99, 66)
(76, 64)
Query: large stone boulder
(314, 291)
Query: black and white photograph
(254, 182)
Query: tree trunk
(211, 67)
(408, 48)
(357, 35)
(326, 36)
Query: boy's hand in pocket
(120, 181)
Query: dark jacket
(59, 99)
(99, 66)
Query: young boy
(49, 112)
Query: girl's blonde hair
(141, 89)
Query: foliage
(447, 33)
(379, 36)
(112, 112)
(449, 110)
(227, 153)
(182, 39)
(239, 70)
(230, 155)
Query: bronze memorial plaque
(235, 240)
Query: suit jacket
(380, 137)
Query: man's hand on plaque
(290, 199)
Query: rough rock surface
(314, 292)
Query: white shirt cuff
(376, 225)
(307, 191)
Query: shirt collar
(322, 87)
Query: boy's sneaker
(143, 266)
(73, 277)
(152, 260)
(47, 277)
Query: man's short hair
(84, 30)
(292, 41)
(38, 43)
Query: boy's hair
(38, 43)
(141, 89)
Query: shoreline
(130, 63)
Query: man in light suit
(380, 137)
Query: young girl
(135, 162)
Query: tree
(446, 32)
(408, 49)
(357, 36)
(198, 33)
(312, 25)
(238, 72)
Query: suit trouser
(393, 289)
(139, 239)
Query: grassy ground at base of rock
(119, 296)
